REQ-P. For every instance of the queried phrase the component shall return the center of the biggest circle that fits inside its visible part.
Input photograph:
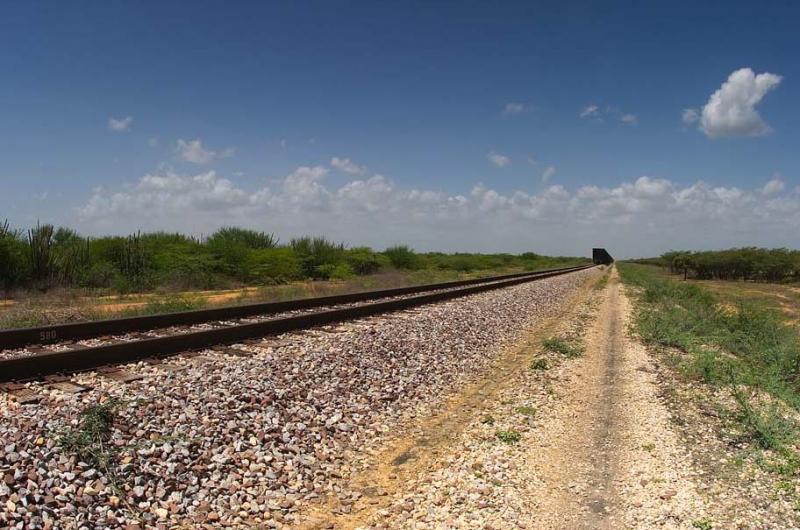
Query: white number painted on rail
(48, 335)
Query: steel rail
(15, 338)
(50, 363)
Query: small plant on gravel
(785, 487)
(562, 347)
(540, 363)
(525, 410)
(488, 420)
(703, 524)
(510, 436)
(649, 447)
(767, 427)
(90, 439)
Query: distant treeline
(45, 256)
(749, 263)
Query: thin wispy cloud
(690, 116)
(120, 124)
(516, 108)
(596, 113)
(548, 173)
(590, 111)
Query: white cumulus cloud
(120, 124)
(498, 160)
(640, 217)
(193, 151)
(731, 110)
(774, 186)
(348, 166)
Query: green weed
(703, 524)
(540, 363)
(525, 410)
(90, 439)
(510, 436)
(562, 347)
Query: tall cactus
(135, 261)
(70, 255)
(40, 245)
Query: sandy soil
(596, 447)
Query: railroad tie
(21, 394)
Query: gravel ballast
(224, 440)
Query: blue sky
(430, 103)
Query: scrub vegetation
(749, 263)
(45, 257)
(748, 352)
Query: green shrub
(242, 237)
(403, 257)
(70, 257)
(342, 271)
(230, 257)
(14, 267)
(274, 265)
(363, 261)
(318, 256)
(747, 263)
(101, 274)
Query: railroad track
(52, 351)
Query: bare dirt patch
(403, 463)
(546, 441)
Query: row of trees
(45, 256)
(748, 263)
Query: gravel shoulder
(581, 442)
(422, 445)
(258, 439)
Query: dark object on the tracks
(600, 256)
(37, 365)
